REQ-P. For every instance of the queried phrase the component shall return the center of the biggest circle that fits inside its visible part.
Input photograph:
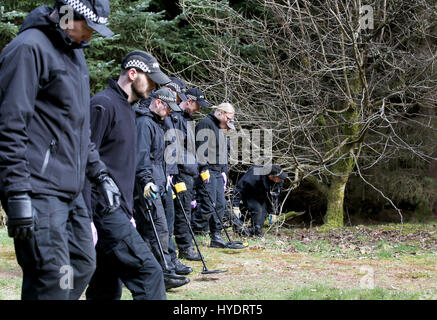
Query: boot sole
(217, 245)
(177, 286)
(183, 273)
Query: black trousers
(207, 210)
(169, 209)
(145, 229)
(181, 230)
(59, 260)
(257, 211)
(123, 257)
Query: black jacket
(169, 125)
(184, 125)
(211, 146)
(171, 140)
(150, 164)
(256, 186)
(113, 131)
(45, 142)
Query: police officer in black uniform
(172, 137)
(188, 170)
(122, 255)
(45, 148)
(151, 175)
(212, 156)
(257, 190)
(170, 126)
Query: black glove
(20, 216)
(110, 192)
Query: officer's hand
(237, 212)
(205, 176)
(20, 216)
(110, 192)
(150, 191)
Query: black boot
(189, 254)
(180, 268)
(217, 240)
(172, 280)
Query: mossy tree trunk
(335, 196)
(342, 170)
(2, 217)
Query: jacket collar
(214, 119)
(143, 110)
(187, 115)
(114, 86)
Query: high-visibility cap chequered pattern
(146, 63)
(96, 13)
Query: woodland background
(351, 102)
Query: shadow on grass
(206, 279)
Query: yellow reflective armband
(180, 187)
(205, 175)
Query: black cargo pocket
(131, 252)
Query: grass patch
(323, 292)
(10, 288)
(297, 264)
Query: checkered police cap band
(166, 98)
(88, 13)
(194, 98)
(135, 63)
(174, 85)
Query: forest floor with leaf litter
(362, 262)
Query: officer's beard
(138, 93)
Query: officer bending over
(258, 189)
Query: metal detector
(145, 204)
(231, 244)
(205, 269)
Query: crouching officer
(151, 177)
(258, 189)
(122, 255)
(45, 148)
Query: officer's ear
(132, 74)
(163, 106)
